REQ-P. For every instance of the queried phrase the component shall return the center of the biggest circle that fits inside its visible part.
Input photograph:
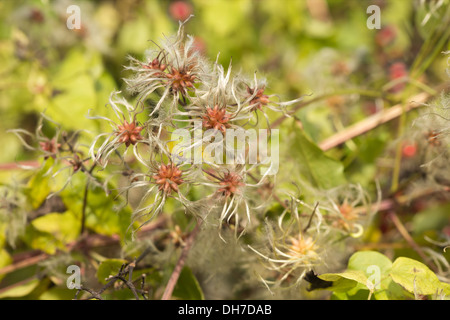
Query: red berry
(396, 71)
(386, 36)
(409, 150)
(180, 10)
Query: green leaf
(344, 281)
(434, 218)
(63, 226)
(109, 268)
(376, 264)
(352, 294)
(230, 13)
(416, 277)
(135, 35)
(312, 163)
(75, 81)
(42, 240)
(20, 290)
(364, 267)
(5, 260)
(38, 187)
(58, 293)
(187, 287)
(102, 213)
(362, 260)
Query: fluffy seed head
(259, 100)
(168, 178)
(129, 133)
(180, 80)
(50, 146)
(230, 183)
(216, 118)
(433, 138)
(302, 246)
(155, 64)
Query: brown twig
(281, 202)
(17, 165)
(85, 196)
(378, 119)
(181, 261)
(405, 234)
(94, 294)
(126, 269)
(310, 218)
(371, 122)
(23, 263)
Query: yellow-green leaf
(415, 277)
(187, 287)
(109, 268)
(63, 226)
(20, 290)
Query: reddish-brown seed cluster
(76, 162)
(259, 100)
(50, 146)
(433, 138)
(37, 16)
(230, 184)
(155, 64)
(336, 102)
(340, 68)
(169, 177)
(349, 216)
(216, 118)
(181, 80)
(348, 211)
(129, 133)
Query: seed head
(76, 162)
(433, 138)
(348, 211)
(259, 99)
(155, 64)
(168, 178)
(230, 184)
(129, 133)
(302, 246)
(180, 80)
(216, 118)
(50, 146)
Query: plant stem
(398, 150)
(181, 261)
(371, 122)
(405, 234)
(85, 197)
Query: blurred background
(302, 47)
